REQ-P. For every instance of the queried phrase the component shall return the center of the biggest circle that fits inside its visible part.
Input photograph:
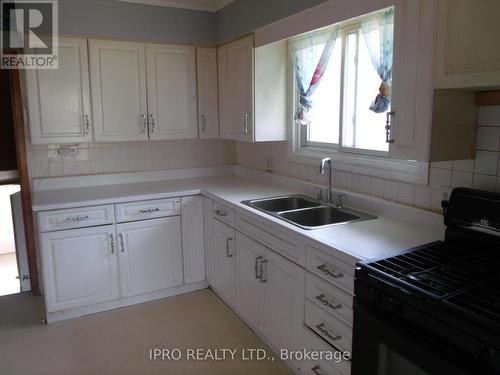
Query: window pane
(362, 128)
(324, 114)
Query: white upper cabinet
(467, 53)
(236, 89)
(415, 25)
(171, 88)
(243, 74)
(59, 99)
(208, 104)
(118, 81)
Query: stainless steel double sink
(307, 212)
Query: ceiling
(205, 5)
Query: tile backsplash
(95, 158)
(482, 173)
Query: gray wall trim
(244, 16)
(116, 19)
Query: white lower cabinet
(284, 301)
(270, 293)
(224, 275)
(79, 267)
(150, 255)
(250, 287)
(193, 239)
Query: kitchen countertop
(376, 238)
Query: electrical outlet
(270, 165)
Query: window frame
(361, 161)
(346, 29)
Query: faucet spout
(324, 163)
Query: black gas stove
(435, 309)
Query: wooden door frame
(24, 180)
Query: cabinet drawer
(338, 366)
(331, 329)
(329, 298)
(224, 213)
(75, 218)
(147, 209)
(279, 242)
(331, 269)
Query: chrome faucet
(328, 177)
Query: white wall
(482, 173)
(7, 242)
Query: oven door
(386, 345)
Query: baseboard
(78, 312)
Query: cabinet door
(150, 255)
(59, 99)
(284, 301)
(209, 232)
(79, 267)
(468, 53)
(250, 289)
(171, 77)
(415, 24)
(118, 81)
(208, 105)
(224, 279)
(193, 241)
(236, 89)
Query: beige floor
(8, 272)
(118, 342)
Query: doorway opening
(18, 270)
(10, 279)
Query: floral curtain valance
(378, 34)
(310, 55)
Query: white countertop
(376, 238)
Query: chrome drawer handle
(323, 268)
(112, 241)
(152, 123)
(203, 123)
(144, 123)
(325, 302)
(228, 240)
(220, 213)
(246, 123)
(87, 124)
(77, 218)
(263, 279)
(321, 327)
(256, 267)
(149, 210)
(121, 242)
(317, 370)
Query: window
(339, 117)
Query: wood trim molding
(488, 98)
(24, 182)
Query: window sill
(409, 171)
